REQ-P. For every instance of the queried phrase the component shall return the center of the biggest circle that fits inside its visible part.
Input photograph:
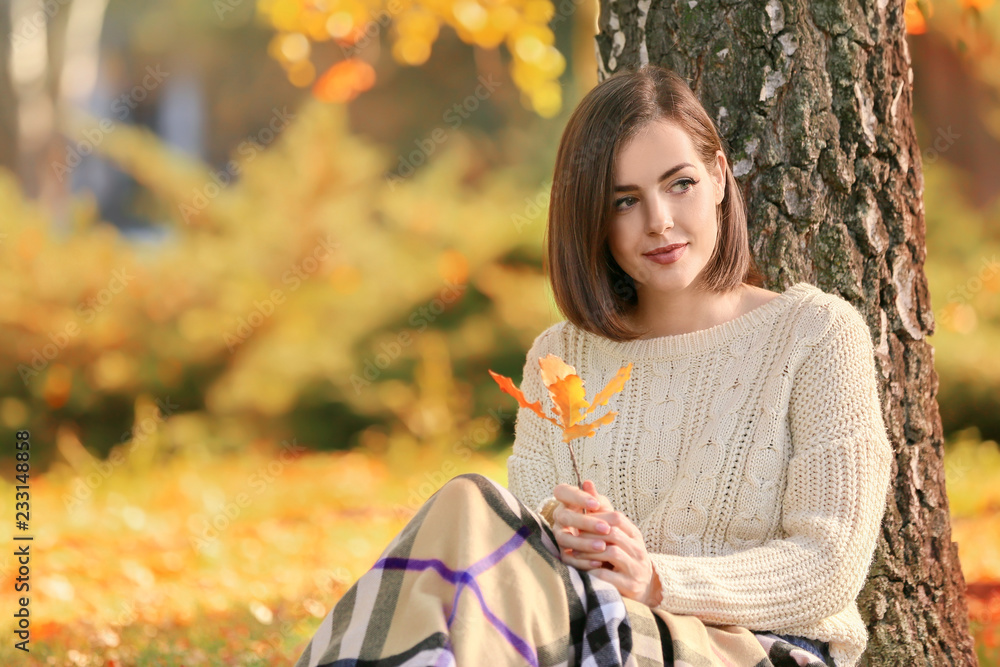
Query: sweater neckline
(704, 339)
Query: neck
(687, 310)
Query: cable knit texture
(752, 455)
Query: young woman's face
(658, 204)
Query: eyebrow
(664, 176)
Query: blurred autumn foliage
(523, 26)
(204, 561)
(298, 299)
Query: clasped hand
(603, 541)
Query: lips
(663, 249)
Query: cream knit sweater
(752, 455)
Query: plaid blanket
(475, 579)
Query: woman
(736, 499)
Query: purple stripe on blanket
(467, 577)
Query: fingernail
(593, 504)
(598, 545)
(603, 527)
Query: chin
(661, 285)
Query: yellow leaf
(615, 385)
(568, 396)
(554, 369)
(566, 389)
(587, 430)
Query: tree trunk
(814, 100)
(8, 110)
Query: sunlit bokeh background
(256, 258)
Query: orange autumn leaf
(344, 80)
(569, 400)
(507, 385)
(568, 396)
(588, 430)
(566, 389)
(615, 385)
(914, 18)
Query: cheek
(617, 240)
(624, 231)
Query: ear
(719, 176)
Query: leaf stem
(576, 470)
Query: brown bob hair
(590, 288)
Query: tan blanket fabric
(475, 580)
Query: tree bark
(814, 101)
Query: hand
(570, 517)
(606, 543)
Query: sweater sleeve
(833, 503)
(531, 470)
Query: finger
(624, 550)
(616, 579)
(630, 527)
(590, 557)
(582, 543)
(591, 488)
(580, 548)
(561, 520)
(615, 536)
(591, 545)
(622, 524)
(612, 554)
(563, 539)
(575, 498)
(581, 563)
(598, 523)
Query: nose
(658, 217)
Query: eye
(620, 200)
(689, 182)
